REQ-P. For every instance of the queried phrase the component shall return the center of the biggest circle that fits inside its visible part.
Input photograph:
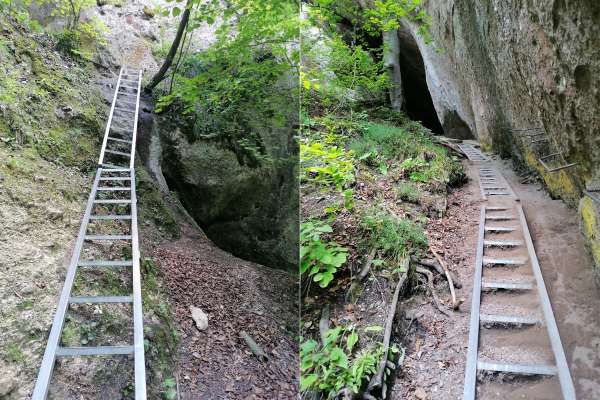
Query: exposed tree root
(455, 303)
(429, 276)
(377, 381)
(436, 266)
(324, 323)
(254, 347)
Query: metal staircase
(111, 201)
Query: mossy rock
(116, 3)
(589, 212)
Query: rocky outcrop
(497, 67)
(250, 212)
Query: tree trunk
(391, 59)
(160, 75)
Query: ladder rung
(127, 94)
(119, 140)
(523, 369)
(109, 217)
(93, 351)
(119, 153)
(497, 193)
(114, 189)
(507, 319)
(499, 217)
(116, 201)
(106, 263)
(502, 261)
(493, 208)
(502, 243)
(128, 87)
(115, 178)
(494, 188)
(100, 299)
(499, 229)
(107, 237)
(507, 285)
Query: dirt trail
(237, 296)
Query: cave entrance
(419, 105)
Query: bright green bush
(318, 260)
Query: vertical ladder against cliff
(505, 251)
(111, 179)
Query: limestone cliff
(498, 67)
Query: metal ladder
(113, 191)
(505, 250)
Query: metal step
(519, 369)
(105, 263)
(115, 178)
(497, 193)
(94, 351)
(502, 243)
(507, 285)
(499, 229)
(494, 187)
(109, 217)
(100, 299)
(116, 201)
(114, 189)
(125, 110)
(107, 237)
(502, 261)
(507, 319)
(493, 208)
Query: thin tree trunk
(391, 59)
(160, 75)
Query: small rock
(199, 317)
(420, 394)
(148, 12)
(8, 382)
(54, 213)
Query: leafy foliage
(240, 79)
(332, 367)
(395, 236)
(319, 260)
(327, 165)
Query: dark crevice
(419, 105)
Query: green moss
(15, 354)
(590, 227)
(560, 184)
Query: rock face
(250, 212)
(497, 67)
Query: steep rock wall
(499, 66)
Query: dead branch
(455, 303)
(377, 379)
(254, 347)
(429, 276)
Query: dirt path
(237, 296)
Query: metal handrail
(110, 117)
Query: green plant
(317, 259)
(332, 367)
(409, 191)
(395, 236)
(169, 389)
(14, 353)
(327, 165)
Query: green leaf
(176, 11)
(306, 382)
(351, 341)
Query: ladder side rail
(135, 122)
(110, 117)
(138, 320)
(45, 373)
(473, 349)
